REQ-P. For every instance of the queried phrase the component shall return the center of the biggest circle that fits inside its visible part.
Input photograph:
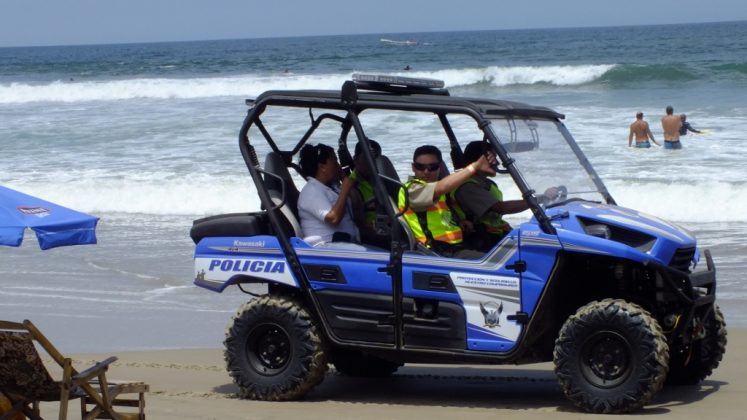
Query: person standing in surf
(685, 127)
(671, 125)
(640, 129)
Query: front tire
(273, 350)
(691, 364)
(611, 357)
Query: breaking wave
(250, 85)
(253, 85)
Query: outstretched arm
(453, 181)
(510, 206)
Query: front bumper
(696, 293)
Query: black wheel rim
(268, 349)
(606, 359)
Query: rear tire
(691, 364)
(611, 357)
(273, 350)
(355, 363)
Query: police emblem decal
(491, 311)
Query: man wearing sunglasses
(429, 215)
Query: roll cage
(402, 94)
(389, 93)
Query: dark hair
(474, 150)
(375, 147)
(639, 114)
(670, 109)
(427, 150)
(312, 156)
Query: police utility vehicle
(611, 295)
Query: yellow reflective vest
(434, 224)
(368, 197)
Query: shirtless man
(671, 125)
(642, 133)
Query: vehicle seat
(275, 164)
(385, 167)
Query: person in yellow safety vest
(428, 215)
(480, 201)
(363, 199)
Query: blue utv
(610, 295)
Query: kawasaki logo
(254, 266)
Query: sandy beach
(193, 384)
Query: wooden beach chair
(25, 381)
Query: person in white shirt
(322, 204)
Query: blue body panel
(359, 268)
(667, 236)
(223, 261)
(488, 290)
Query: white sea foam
(207, 195)
(109, 90)
(203, 196)
(519, 75)
(702, 202)
(252, 85)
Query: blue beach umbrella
(54, 225)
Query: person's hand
(551, 193)
(484, 166)
(347, 183)
(548, 196)
(492, 159)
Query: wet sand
(193, 384)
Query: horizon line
(167, 41)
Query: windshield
(544, 157)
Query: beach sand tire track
(611, 357)
(692, 364)
(273, 350)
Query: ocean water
(145, 137)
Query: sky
(74, 22)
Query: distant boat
(399, 42)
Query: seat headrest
(275, 164)
(385, 167)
